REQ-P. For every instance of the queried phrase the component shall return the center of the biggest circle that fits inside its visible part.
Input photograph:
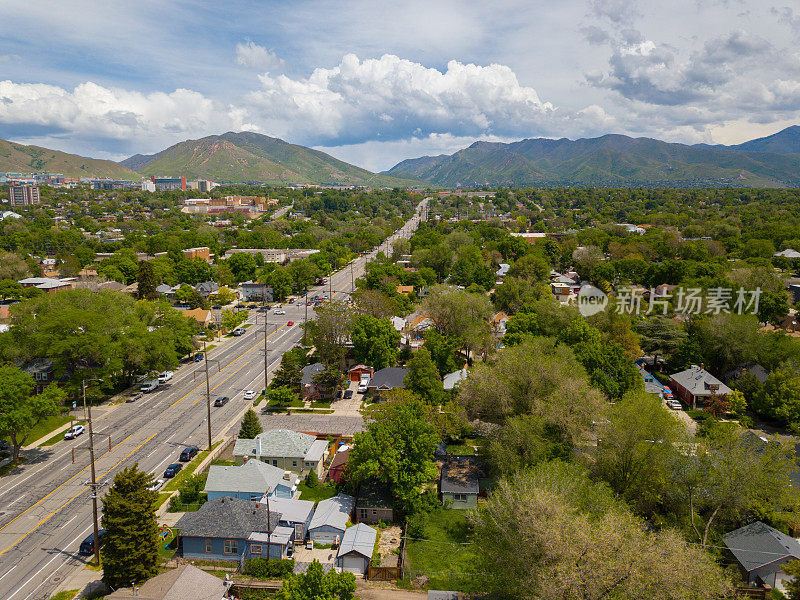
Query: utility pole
(96, 543)
(266, 352)
(269, 533)
(208, 395)
(305, 320)
(352, 285)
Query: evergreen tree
(423, 377)
(146, 277)
(130, 552)
(250, 426)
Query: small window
(231, 547)
(255, 548)
(374, 512)
(274, 463)
(459, 497)
(294, 463)
(255, 497)
(209, 546)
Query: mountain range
(613, 160)
(247, 156)
(610, 160)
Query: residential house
(355, 551)
(337, 466)
(762, 551)
(405, 290)
(498, 323)
(206, 288)
(132, 289)
(250, 481)
(308, 388)
(47, 284)
(253, 291)
(295, 514)
(790, 323)
(531, 237)
(502, 271)
(451, 380)
(289, 450)
(203, 316)
(232, 529)
(459, 483)
(696, 384)
(374, 503)
(113, 286)
(187, 582)
(43, 372)
(386, 379)
(749, 368)
(355, 373)
(788, 253)
(167, 291)
(330, 519)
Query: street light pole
(266, 352)
(208, 394)
(305, 320)
(94, 480)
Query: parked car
(198, 357)
(339, 393)
(135, 397)
(250, 395)
(674, 404)
(279, 311)
(87, 545)
(149, 386)
(362, 387)
(188, 453)
(221, 401)
(74, 432)
(165, 376)
(348, 394)
(239, 331)
(156, 485)
(172, 470)
(217, 307)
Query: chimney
(258, 445)
(287, 475)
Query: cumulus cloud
(92, 111)
(391, 98)
(257, 58)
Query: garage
(355, 551)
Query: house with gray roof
(355, 551)
(330, 519)
(231, 529)
(250, 481)
(295, 514)
(289, 450)
(459, 484)
(451, 380)
(788, 253)
(695, 384)
(374, 503)
(307, 386)
(387, 379)
(187, 582)
(761, 552)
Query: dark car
(189, 453)
(198, 357)
(339, 394)
(135, 397)
(87, 545)
(172, 470)
(221, 401)
(348, 394)
(216, 307)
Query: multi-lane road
(45, 507)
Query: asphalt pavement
(45, 505)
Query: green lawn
(298, 403)
(445, 554)
(187, 471)
(46, 426)
(460, 450)
(321, 404)
(59, 436)
(65, 595)
(320, 492)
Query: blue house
(232, 529)
(250, 481)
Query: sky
(374, 82)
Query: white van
(165, 376)
(362, 385)
(149, 386)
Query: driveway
(326, 556)
(348, 408)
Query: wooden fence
(755, 593)
(384, 573)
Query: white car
(156, 485)
(250, 395)
(674, 404)
(74, 432)
(165, 376)
(279, 312)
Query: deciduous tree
(375, 341)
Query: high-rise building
(169, 183)
(23, 195)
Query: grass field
(46, 426)
(320, 492)
(65, 595)
(446, 553)
(59, 436)
(460, 450)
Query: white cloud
(391, 98)
(257, 58)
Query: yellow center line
(48, 517)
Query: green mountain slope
(16, 158)
(247, 156)
(610, 160)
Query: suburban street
(45, 505)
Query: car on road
(279, 311)
(156, 485)
(87, 545)
(261, 309)
(221, 401)
(165, 376)
(172, 470)
(74, 432)
(348, 394)
(290, 323)
(149, 386)
(239, 331)
(188, 453)
(198, 357)
(250, 395)
(135, 397)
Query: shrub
(191, 488)
(312, 480)
(261, 568)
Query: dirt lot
(389, 542)
(385, 591)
